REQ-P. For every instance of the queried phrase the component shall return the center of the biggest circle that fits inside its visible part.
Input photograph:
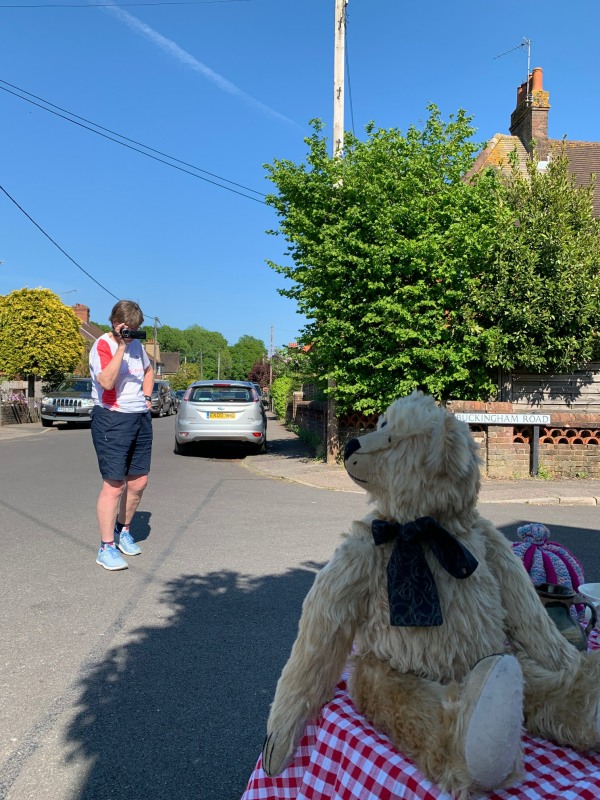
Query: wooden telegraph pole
(333, 443)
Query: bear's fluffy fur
(451, 697)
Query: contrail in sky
(185, 58)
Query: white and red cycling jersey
(127, 394)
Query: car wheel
(180, 449)
(46, 423)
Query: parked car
(263, 397)
(180, 393)
(161, 399)
(71, 402)
(221, 411)
(175, 400)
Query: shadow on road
(179, 711)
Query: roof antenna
(525, 44)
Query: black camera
(127, 334)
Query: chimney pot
(536, 79)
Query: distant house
(87, 329)
(529, 138)
(529, 132)
(171, 364)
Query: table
(341, 757)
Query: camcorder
(127, 334)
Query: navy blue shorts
(123, 443)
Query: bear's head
(421, 461)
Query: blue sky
(227, 87)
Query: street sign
(477, 418)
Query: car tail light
(187, 394)
(257, 434)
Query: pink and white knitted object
(546, 561)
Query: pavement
(289, 458)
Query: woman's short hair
(127, 311)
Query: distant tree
(188, 373)
(260, 372)
(102, 326)
(39, 335)
(208, 349)
(171, 340)
(244, 354)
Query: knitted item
(548, 562)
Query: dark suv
(161, 399)
(71, 402)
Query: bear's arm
(330, 613)
(528, 626)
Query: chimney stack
(81, 312)
(529, 120)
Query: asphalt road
(155, 682)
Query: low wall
(17, 413)
(569, 446)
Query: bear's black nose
(351, 447)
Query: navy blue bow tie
(412, 593)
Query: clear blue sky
(228, 86)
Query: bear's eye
(383, 424)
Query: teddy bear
(448, 648)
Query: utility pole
(271, 359)
(219, 365)
(338, 76)
(333, 441)
(155, 336)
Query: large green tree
(412, 277)
(383, 245)
(208, 349)
(244, 354)
(539, 298)
(39, 335)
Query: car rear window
(221, 394)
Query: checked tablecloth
(341, 757)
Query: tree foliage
(244, 354)
(209, 350)
(379, 241)
(539, 299)
(260, 372)
(187, 373)
(39, 335)
(411, 277)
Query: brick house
(570, 444)
(529, 130)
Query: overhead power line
(72, 118)
(121, 5)
(64, 252)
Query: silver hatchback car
(221, 411)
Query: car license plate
(66, 409)
(220, 415)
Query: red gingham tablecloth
(341, 757)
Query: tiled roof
(496, 154)
(89, 331)
(584, 161)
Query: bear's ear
(450, 449)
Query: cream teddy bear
(422, 597)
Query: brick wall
(17, 413)
(568, 447)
